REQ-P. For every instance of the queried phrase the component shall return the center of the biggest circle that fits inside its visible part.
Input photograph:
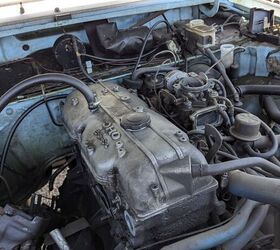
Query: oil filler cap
(135, 121)
(246, 127)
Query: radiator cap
(246, 127)
(135, 121)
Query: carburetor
(197, 99)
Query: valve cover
(139, 163)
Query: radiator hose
(219, 235)
(258, 188)
(258, 89)
(254, 223)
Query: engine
(139, 142)
(141, 130)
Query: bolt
(139, 109)
(21, 9)
(179, 133)
(182, 139)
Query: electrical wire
(48, 107)
(165, 52)
(31, 60)
(229, 18)
(169, 25)
(59, 171)
(79, 60)
(18, 122)
(45, 68)
(167, 61)
(10, 136)
(146, 40)
(111, 60)
(56, 159)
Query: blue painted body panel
(11, 45)
(36, 141)
(253, 60)
(130, 9)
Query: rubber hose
(271, 108)
(223, 72)
(264, 142)
(258, 89)
(217, 236)
(271, 152)
(255, 222)
(199, 170)
(49, 78)
(212, 11)
(137, 73)
(258, 188)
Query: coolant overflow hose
(50, 78)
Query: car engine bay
(162, 134)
